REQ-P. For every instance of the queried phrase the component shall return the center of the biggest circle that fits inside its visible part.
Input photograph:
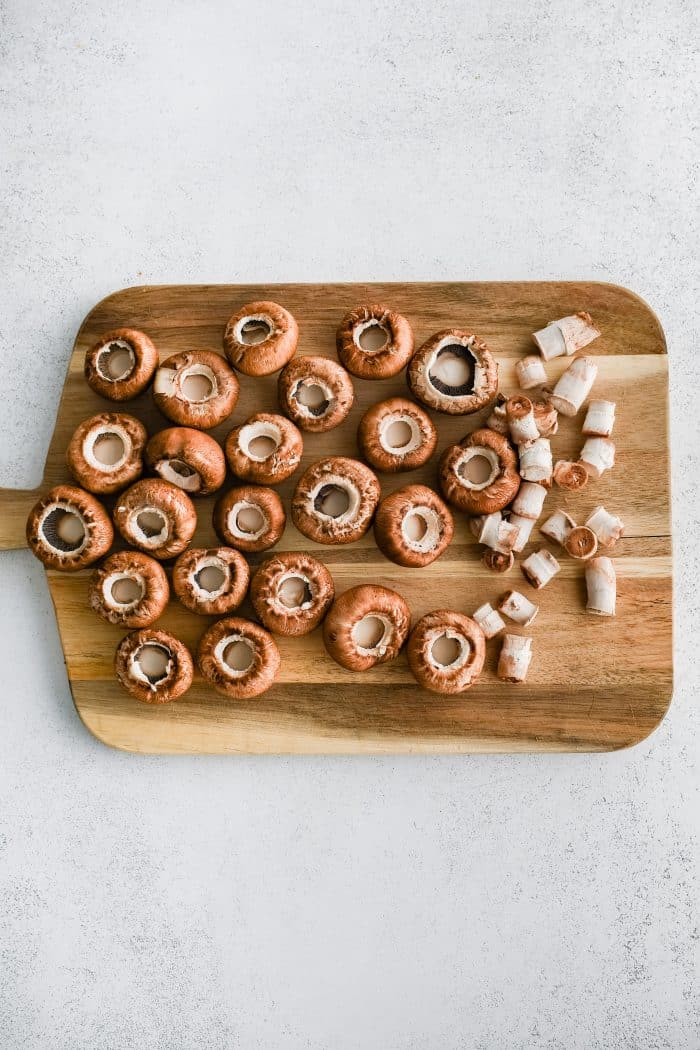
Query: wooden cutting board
(594, 684)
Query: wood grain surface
(594, 684)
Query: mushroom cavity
(115, 360)
(123, 590)
(63, 529)
(235, 655)
(452, 369)
(478, 468)
(337, 498)
(253, 330)
(247, 520)
(259, 440)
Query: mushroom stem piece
(497, 420)
(498, 562)
(536, 460)
(581, 543)
(600, 419)
(601, 586)
(489, 620)
(574, 385)
(598, 455)
(530, 500)
(524, 527)
(558, 526)
(521, 420)
(518, 608)
(607, 527)
(571, 476)
(485, 528)
(566, 336)
(539, 568)
(530, 372)
(514, 661)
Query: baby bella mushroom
(239, 658)
(374, 342)
(291, 593)
(413, 526)
(188, 458)
(195, 389)
(446, 651)
(153, 666)
(120, 364)
(315, 392)
(250, 518)
(156, 517)
(211, 582)
(68, 529)
(265, 449)
(335, 500)
(479, 475)
(105, 453)
(453, 372)
(396, 435)
(367, 625)
(260, 338)
(129, 589)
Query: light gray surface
(483, 902)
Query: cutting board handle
(15, 505)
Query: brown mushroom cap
(448, 352)
(129, 589)
(224, 650)
(291, 593)
(153, 666)
(341, 477)
(366, 625)
(465, 488)
(249, 518)
(464, 646)
(196, 388)
(315, 392)
(260, 338)
(397, 434)
(105, 453)
(391, 355)
(157, 517)
(266, 448)
(212, 582)
(413, 526)
(68, 529)
(187, 458)
(121, 364)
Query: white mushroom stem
(514, 661)
(598, 455)
(539, 568)
(546, 417)
(607, 527)
(601, 586)
(530, 500)
(530, 372)
(518, 608)
(600, 419)
(508, 535)
(574, 386)
(485, 528)
(497, 420)
(521, 420)
(536, 460)
(490, 621)
(558, 526)
(566, 336)
(524, 527)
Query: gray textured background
(479, 902)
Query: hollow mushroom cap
(249, 498)
(271, 353)
(373, 435)
(278, 464)
(179, 668)
(480, 389)
(190, 589)
(199, 462)
(384, 362)
(332, 380)
(89, 471)
(391, 532)
(165, 499)
(247, 683)
(465, 670)
(149, 576)
(205, 413)
(501, 486)
(356, 480)
(317, 594)
(142, 361)
(355, 605)
(45, 541)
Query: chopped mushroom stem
(530, 500)
(498, 562)
(571, 476)
(574, 386)
(600, 419)
(530, 372)
(497, 420)
(485, 528)
(489, 620)
(536, 460)
(598, 455)
(524, 527)
(507, 537)
(546, 416)
(521, 420)
(518, 608)
(514, 661)
(581, 543)
(566, 336)
(601, 586)
(607, 527)
(539, 568)
(558, 526)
